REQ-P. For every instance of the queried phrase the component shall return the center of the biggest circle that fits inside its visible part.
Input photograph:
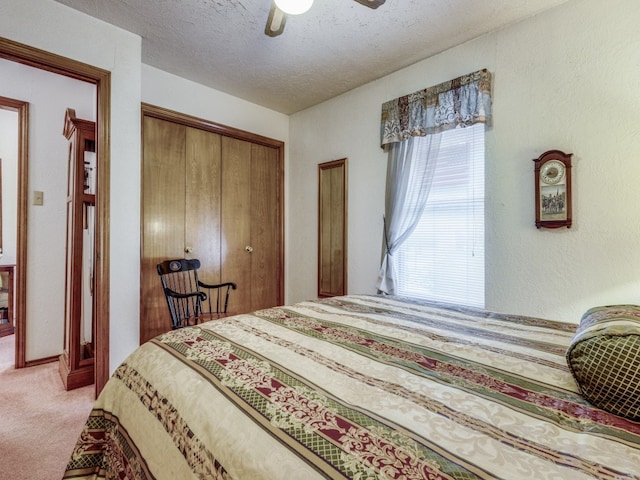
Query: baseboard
(41, 361)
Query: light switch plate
(38, 197)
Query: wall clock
(553, 189)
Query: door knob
(249, 248)
(188, 249)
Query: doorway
(101, 79)
(14, 126)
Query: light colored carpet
(39, 421)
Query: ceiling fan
(281, 8)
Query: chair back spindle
(187, 297)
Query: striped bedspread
(359, 387)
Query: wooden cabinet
(77, 360)
(7, 283)
(212, 193)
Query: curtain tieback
(386, 236)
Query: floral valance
(460, 102)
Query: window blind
(443, 259)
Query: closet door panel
(163, 215)
(202, 203)
(236, 221)
(265, 227)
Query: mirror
(332, 228)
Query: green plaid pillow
(604, 358)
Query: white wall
(49, 95)
(55, 28)
(575, 90)
(9, 156)
(166, 90)
(566, 79)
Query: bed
(361, 387)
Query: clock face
(552, 172)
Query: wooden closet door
(163, 231)
(202, 203)
(181, 185)
(266, 224)
(251, 224)
(236, 221)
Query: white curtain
(410, 170)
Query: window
(443, 259)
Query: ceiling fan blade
(371, 3)
(275, 22)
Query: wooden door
(163, 226)
(332, 228)
(181, 214)
(252, 223)
(236, 218)
(266, 225)
(202, 202)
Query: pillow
(604, 358)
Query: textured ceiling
(336, 46)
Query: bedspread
(362, 387)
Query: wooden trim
(195, 122)
(102, 236)
(43, 60)
(42, 361)
(282, 220)
(102, 79)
